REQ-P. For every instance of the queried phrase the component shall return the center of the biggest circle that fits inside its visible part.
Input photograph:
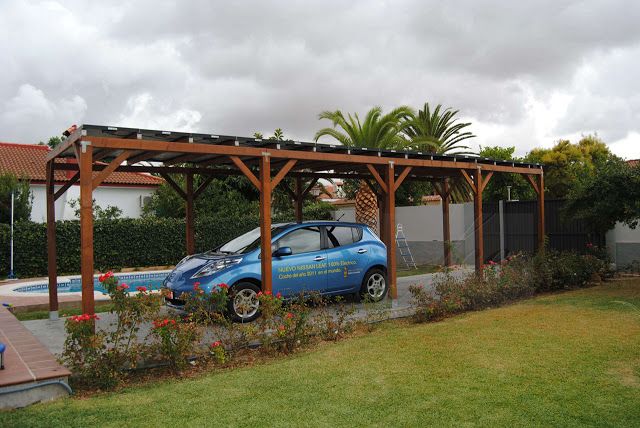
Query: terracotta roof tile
(29, 161)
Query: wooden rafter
(486, 179)
(73, 180)
(402, 176)
(203, 186)
(468, 179)
(378, 178)
(246, 171)
(281, 174)
(174, 185)
(533, 183)
(102, 175)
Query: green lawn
(65, 312)
(570, 359)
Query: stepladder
(404, 249)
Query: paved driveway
(52, 334)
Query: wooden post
(190, 230)
(381, 217)
(390, 230)
(86, 226)
(477, 220)
(541, 232)
(446, 226)
(52, 268)
(299, 199)
(265, 222)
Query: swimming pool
(151, 280)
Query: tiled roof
(634, 162)
(29, 161)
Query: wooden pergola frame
(265, 164)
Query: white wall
(125, 198)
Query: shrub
(98, 359)
(174, 341)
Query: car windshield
(245, 243)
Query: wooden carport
(101, 150)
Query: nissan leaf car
(328, 257)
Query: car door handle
(319, 258)
(362, 251)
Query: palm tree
(437, 132)
(377, 130)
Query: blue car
(332, 258)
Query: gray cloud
(238, 67)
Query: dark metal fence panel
(520, 228)
(491, 230)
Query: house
(129, 191)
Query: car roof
(322, 223)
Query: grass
(66, 312)
(569, 359)
(419, 271)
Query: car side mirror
(283, 251)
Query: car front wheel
(374, 285)
(244, 305)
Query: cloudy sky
(525, 73)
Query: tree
(23, 198)
(497, 188)
(377, 130)
(436, 131)
(566, 163)
(53, 142)
(609, 196)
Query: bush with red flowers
(173, 342)
(217, 352)
(207, 308)
(99, 358)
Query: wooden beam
(486, 180)
(246, 171)
(379, 179)
(541, 215)
(265, 224)
(532, 183)
(310, 186)
(201, 188)
(73, 180)
(174, 185)
(477, 220)
(52, 265)
(446, 222)
(283, 172)
(86, 229)
(189, 217)
(102, 175)
(390, 231)
(256, 152)
(140, 157)
(468, 179)
(292, 195)
(402, 176)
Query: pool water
(153, 281)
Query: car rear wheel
(374, 286)
(244, 305)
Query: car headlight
(215, 266)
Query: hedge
(119, 243)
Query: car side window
(339, 236)
(303, 240)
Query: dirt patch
(626, 373)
